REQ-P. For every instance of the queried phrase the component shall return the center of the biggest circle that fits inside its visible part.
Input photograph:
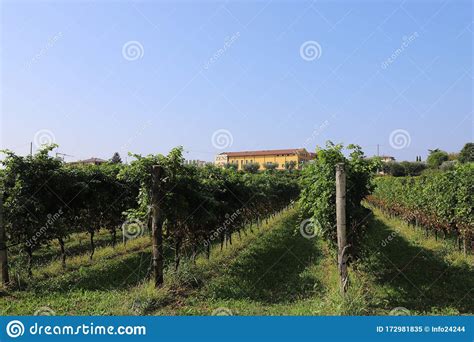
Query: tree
(290, 165)
(448, 165)
(412, 168)
(116, 159)
(233, 166)
(436, 158)
(393, 168)
(269, 166)
(252, 167)
(467, 153)
(404, 168)
(453, 156)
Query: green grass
(270, 270)
(76, 244)
(408, 269)
(117, 281)
(282, 273)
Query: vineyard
(45, 200)
(439, 202)
(318, 195)
(158, 236)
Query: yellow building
(280, 157)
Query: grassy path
(408, 269)
(116, 283)
(282, 273)
(270, 270)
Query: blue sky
(223, 76)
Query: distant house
(90, 161)
(387, 159)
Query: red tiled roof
(263, 152)
(90, 160)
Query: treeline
(45, 199)
(439, 202)
(437, 161)
(318, 195)
(404, 168)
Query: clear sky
(106, 76)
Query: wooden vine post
(341, 226)
(157, 225)
(4, 279)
